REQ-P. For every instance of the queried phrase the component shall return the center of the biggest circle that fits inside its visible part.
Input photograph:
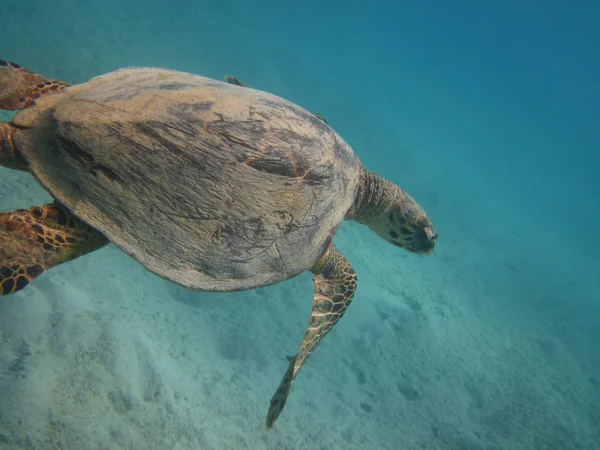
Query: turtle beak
(425, 240)
(432, 238)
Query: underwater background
(488, 113)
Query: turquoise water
(486, 113)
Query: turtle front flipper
(34, 240)
(335, 284)
(19, 87)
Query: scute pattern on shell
(210, 185)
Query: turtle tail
(19, 87)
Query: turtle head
(392, 214)
(406, 225)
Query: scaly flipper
(19, 87)
(34, 240)
(335, 284)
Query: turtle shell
(210, 185)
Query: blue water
(486, 112)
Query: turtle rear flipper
(19, 87)
(335, 284)
(34, 240)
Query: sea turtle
(208, 184)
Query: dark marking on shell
(121, 96)
(189, 111)
(82, 156)
(176, 139)
(75, 151)
(243, 134)
(174, 86)
(284, 221)
(278, 165)
(164, 135)
(245, 137)
(108, 172)
(255, 229)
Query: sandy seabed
(490, 344)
